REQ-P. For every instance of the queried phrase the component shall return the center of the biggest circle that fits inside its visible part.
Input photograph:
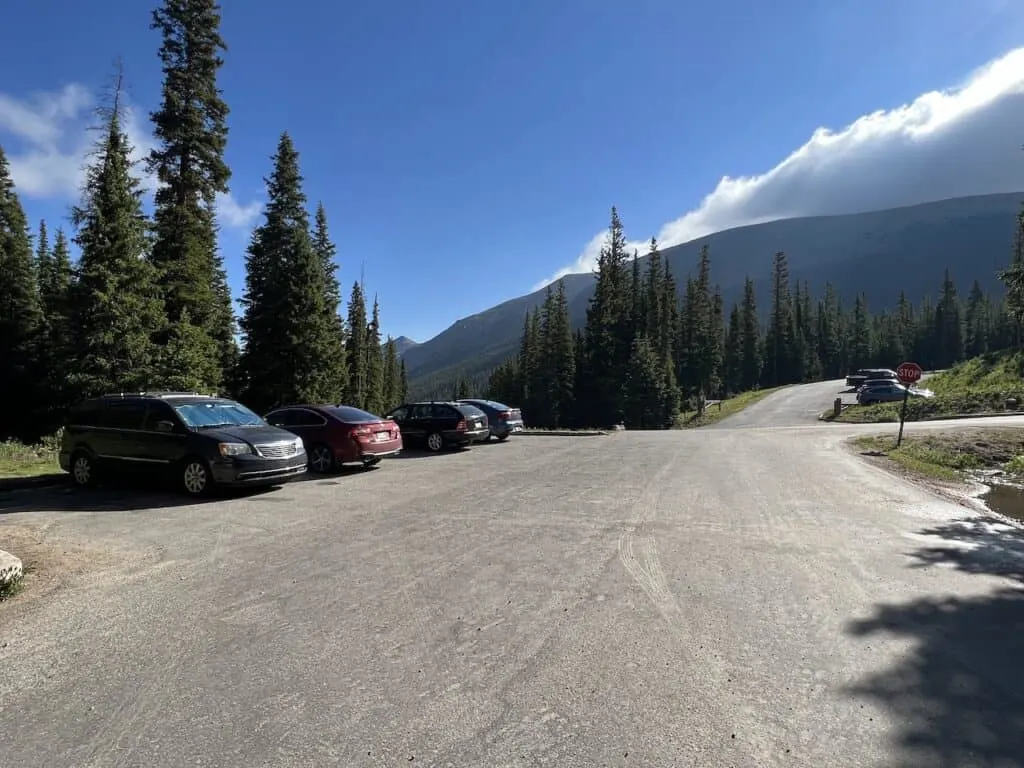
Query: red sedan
(339, 434)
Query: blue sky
(467, 149)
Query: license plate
(380, 437)
(517, 429)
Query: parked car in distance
(502, 420)
(339, 434)
(438, 425)
(197, 441)
(857, 380)
(888, 392)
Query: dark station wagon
(438, 425)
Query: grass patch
(947, 455)
(19, 460)
(976, 386)
(723, 409)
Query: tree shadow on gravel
(127, 496)
(958, 696)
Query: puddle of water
(1006, 500)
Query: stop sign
(908, 373)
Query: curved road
(728, 597)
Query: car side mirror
(165, 426)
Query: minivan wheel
(83, 472)
(503, 438)
(195, 477)
(435, 442)
(321, 459)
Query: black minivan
(197, 441)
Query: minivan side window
(87, 415)
(125, 415)
(159, 411)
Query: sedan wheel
(321, 459)
(435, 442)
(195, 477)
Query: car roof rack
(158, 394)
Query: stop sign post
(907, 373)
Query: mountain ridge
(876, 252)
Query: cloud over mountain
(962, 141)
(47, 139)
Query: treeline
(146, 304)
(648, 351)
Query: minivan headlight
(233, 449)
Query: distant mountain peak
(403, 344)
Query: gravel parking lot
(737, 596)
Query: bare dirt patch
(51, 561)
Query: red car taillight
(505, 414)
(461, 426)
(360, 431)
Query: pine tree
(732, 363)
(861, 341)
(559, 362)
(392, 376)
(642, 393)
(285, 321)
(191, 133)
(608, 329)
(949, 328)
(374, 363)
(115, 308)
(403, 383)
(20, 310)
(1013, 279)
(334, 340)
(461, 390)
(977, 322)
(778, 346)
(750, 340)
(355, 348)
(54, 276)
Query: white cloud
(52, 138)
(962, 141)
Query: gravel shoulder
(743, 597)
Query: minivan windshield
(217, 413)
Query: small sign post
(907, 373)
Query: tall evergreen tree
(949, 327)
(355, 348)
(285, 322)
(778, 346)
(607, 328)
(559, 362)
(750, 340)
(334, 336)
(20, 311)
(374, 363)
(1013, 279)
(115, 308)
(392, 375)
(191, 130)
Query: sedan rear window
(469, 410)
(350, 415)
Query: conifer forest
(143, 302)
